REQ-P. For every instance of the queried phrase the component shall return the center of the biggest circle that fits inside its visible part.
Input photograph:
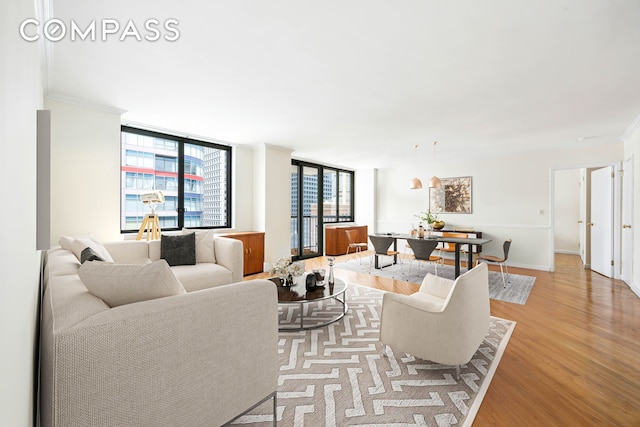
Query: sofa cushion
(129, 251)
(119, 284)
(178, 249)
(89, 254)
(204, 245)
(202, 276)
(438, 286)
(80, 243)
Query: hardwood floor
(573, 358)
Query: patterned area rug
(338, 375)
(517, 289)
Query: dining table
(458, 241)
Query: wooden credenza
(253, 243)
(336, 241)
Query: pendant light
(415, 183)
(434, 181)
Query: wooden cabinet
(336, 241)
(253, 242)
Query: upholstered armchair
(444, 322)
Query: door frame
(627, 258)
(617, 211)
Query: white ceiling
(358, 83)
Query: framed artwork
(453, 197)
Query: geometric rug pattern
(340, 375)
(517, 289)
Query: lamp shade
(434, 182)
(415, 184)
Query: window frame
(180, 142)
(322, 169)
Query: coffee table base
(302, 327)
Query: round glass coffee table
(298, 294)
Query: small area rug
(517, 290)
(337, 375)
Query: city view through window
(153, 161)
(326, 197)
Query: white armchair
(444, 322)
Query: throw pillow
(65, 243)
(204, 245)
(89, 254)
(178, 249)
(120, 284)
(80, 243)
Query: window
(319, 195)
(194, 176)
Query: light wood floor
(573, 358)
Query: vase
(331, 278)
(287, 281)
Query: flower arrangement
(285, 267)
(427, 217)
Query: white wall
(507, 195)
(567, 211)
(20, 98)
(243, 194)
(272, 203)
(85, 171)
(632, 148)
(365, 198)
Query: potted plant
(431, 219)
(285, 269)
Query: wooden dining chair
(381, 245)
(451, 247)
(500, 260)
(352, 237)
(422, 252)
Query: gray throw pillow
(179, 249)
(89, 254)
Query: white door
(601, 222)
(627, 219)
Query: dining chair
(422, 252)
(352, 237)
(501, 261)
(451, 247)
(381, 245)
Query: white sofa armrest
(196, 359)
(229, 254)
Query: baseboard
(635, 289)
(563, 252)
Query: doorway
(572, 209)
(306, 222)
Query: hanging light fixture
(415, 183)
(434, 181)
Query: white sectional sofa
(196, 358)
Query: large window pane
(310, 196)
(330, 195)
(150, 161)
(295, 236)
(345, 211)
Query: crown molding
(174, 132)
(634, 126)
(43, 10)
(84, 103)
